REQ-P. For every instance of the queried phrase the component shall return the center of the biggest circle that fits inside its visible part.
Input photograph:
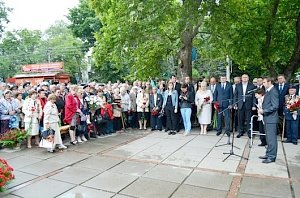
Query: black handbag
(47, 133)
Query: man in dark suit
(223, 95)
(234, 116)
(283, 89)
(245, 103)
(269, 111)
(298, 94)
(156, 101)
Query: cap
(85, 86)
(292, 87)
(26, 84)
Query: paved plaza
(146, 164)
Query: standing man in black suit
(269, 111)
(223, 95)
(234, 116)
(245, 103)
(156, 101)
(283, 89)
(212, 87)
(298, 94)
(177, 87)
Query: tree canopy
(3, 16)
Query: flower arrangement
(199, 107)
(6, 174)
(293, 104)
(13, 137)
(215, 117)
(207, 99)
(94, 103)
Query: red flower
(207, 99)
(216, 105)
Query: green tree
(3, 16)
(84, 23)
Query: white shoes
(83, 138)
(79, 140)
(62, 146)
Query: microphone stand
(231, 152)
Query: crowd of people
(97, 110)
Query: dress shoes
(287, 141)
(227, 133)
(173, 133)
(218, 133)
(170, 133)
(239, 135)
(295, 143)
(261, 144)
(263, 157)
(267, 161)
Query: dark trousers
(244, 117)
(171, 119)
(155, 122)
(226, 118)
(292, 130)
(271, 137)
(234, 120)
(133, 122)
(262, 130)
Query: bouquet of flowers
(94, 103)
(293, 106)
(207, 99)
(199, 107)
(215, 117)
(6, 174)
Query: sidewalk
(149, 165)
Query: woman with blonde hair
(51, 120)
(203, 102)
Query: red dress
(72, 104)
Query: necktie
(280, 88)
(223, 86)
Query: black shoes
(172, 133)
(287, 141)
(268, 160)
(239, 135)
(219, 133)
(263, 157)
(262, 144)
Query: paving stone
(208, 180)
(183, 160)
(21, 161)
(296, 187)
(108, 181)
(8, 196)
(295, 173)
(84, 192)
(75, 175)
(46, 188)
(132, 168)
(20, 178)
(9, 155)
(265, 187)
(91, 148)
(121, 153)
(43, 167)
(241, 195)
(149, 188)
(69, 157)
(99, 162)
(259, 168)
(121, 196)
(217, 164)
(168, 173)
(39, 153)
(188, 191)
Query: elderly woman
(8, 109)
(72, 108)
(33, 112)
(51, 120)
(142, 102)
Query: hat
(292, 87)
(26, 84)
(14, 87)
(7, 91)
(85, 86)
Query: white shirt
(212, 87)
(269, 88)
(155, 98)
(244, 90)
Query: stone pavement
(149, 165)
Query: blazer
(50, 113)
(270, 106)
(281, 95)
(250, 100)
(174, 96)
(159, 101)
(223, 96)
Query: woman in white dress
(51, 120)
(142, 102)
(203, 102)
(33, 112)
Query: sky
(37, 14)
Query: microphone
(252, 90)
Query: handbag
(46, 133)
(46, 143)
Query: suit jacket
(159, 101)
(297, 90)
(210, 88)
(281, 96)
(270, 106)
(178, 88)
(250, 100)
(223, 96)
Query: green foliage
(13, 137)
(3, 16)
(84, 23)
(32, 46)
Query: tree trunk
(294, 62)
(186, 59)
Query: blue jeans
(186, 117)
